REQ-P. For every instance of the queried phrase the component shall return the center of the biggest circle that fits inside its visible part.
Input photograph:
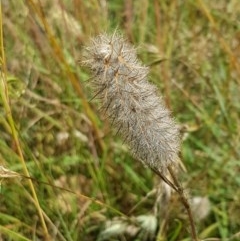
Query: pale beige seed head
(132, 104)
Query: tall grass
(82, 176)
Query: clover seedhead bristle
(131, 102)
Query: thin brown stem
(164, 178)
(176, 185)
(185, 202)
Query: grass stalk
(176, 186)
(7, 108)
(72, 77)
(185, 203)
(222, 41)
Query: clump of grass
(194, 47)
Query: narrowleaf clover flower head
(132, 104)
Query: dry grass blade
(38, 10)
(6, 173)
(6, 104)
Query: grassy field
(84, 184)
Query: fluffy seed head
(131, 102)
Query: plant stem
(175, 185)
(7, 108)
(185, 202)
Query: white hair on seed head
(132, 104)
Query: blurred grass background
(193, 50)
